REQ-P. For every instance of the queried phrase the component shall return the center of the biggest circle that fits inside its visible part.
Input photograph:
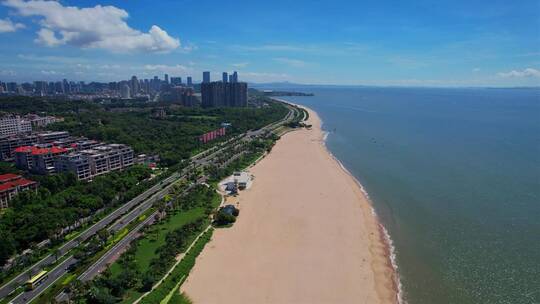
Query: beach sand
(306, 234)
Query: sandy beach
(306, 234)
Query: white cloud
(109, 66)
(7, 26)
(49, 72)
(269, 47)
(264, 77)
(292, 62)
(101, 27)
(7, 73)
(169, 69)
(528, 72)
(476, 70)
(240, 64)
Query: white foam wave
(325, 136)
(393, 262)
(387, 239)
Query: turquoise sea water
(454, 175)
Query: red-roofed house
(38, 159)
(11, 185)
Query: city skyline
(126, 88)
(342, 43)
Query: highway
(53, 275)
(136, 207)
(9, 287)
(115, 251)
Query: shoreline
(360, 266)
(385, 238)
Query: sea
(454, 177)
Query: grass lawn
(178, 298)
(180, 272)
(155, 237)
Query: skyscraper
(235, 76)
(176, 81)
(167, 78)
(206, 77)
(125, 91)
(189, 81)
(134, 86)
(67, 87)
(225, 77)
(224, 94)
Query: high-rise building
(176, 81)
(11, 87)
(167, 78)
(235, 76)
(59, 87)
(225, 77)
(134, 86)
(189, 81)
(206, 77)
(156, 84)
(41, 87)
(67, 87)
(125, 91)
(224, 94)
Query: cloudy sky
(417, 43)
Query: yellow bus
(36, 280)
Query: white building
(14, 124)
(125, 91)
(96, 161)
(41, 121)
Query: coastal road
(53, 276)
(115, 251)
(9, 287)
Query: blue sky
(412, 43)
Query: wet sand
(306, 234)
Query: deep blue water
(454, 175)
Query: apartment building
(11, 185)
(8, 144)
(14, 124)
(38, 159)
(99, 160)
(75, 163)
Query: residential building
(11, 185)
(51, 136)
(14, 124)
(9, 143)
(206, 77)
(183, 95)
(125, 91)
(75, 163)
(176, 81)
(41, 121)
(38, 159)
(134, 86)
(220, 94)
(99, 160)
